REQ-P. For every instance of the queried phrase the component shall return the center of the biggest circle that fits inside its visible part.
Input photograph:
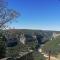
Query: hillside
(46, 34)
(53, 46)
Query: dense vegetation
(2, 46)
(38, 56)
(53, 46)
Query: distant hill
(30, 31)
(45, 33)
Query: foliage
(38, 56)
(2, 46)
(53, 46)
(32, 45)
(23, 47)
(12, 51)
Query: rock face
(33, 40)
(22, 39)
(54, 35)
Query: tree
(6, 15)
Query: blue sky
(36, 14)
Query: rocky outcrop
(56, 35)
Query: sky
(36, 14)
